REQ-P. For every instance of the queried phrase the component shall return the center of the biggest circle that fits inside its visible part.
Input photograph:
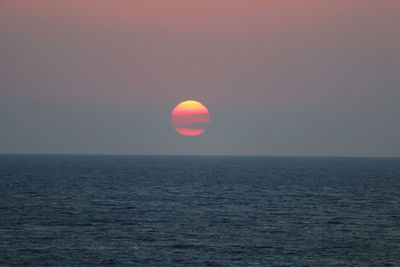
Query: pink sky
(196, 48)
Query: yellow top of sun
(190, 105)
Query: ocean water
(199, 211)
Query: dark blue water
(199, 211)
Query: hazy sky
(279, 77)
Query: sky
(279, 77)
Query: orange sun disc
(190, 118)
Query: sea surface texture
(199, 211)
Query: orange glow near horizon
(190, 118)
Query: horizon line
(196, 155)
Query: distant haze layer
(279, 77)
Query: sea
(97, 210)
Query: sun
(190, 118)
